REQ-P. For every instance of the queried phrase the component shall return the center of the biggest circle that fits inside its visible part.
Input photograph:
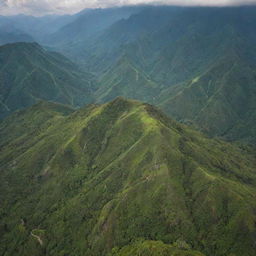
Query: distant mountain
(42, 27)
(211, 51)
(103, 47)
(121, 177)
(75, 35)
(29, 73)
(39, 28)
(197, 64)
(221, 101)
(126, 79)
(10, 34)
(14, 37)
(170, 43)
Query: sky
(43, 7)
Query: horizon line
(217, 6)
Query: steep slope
(74, 38)
(178, 40)
(29, 73)
(153, 248)
(202, 62)
(221, 101)
(105, 48)
(127, 80)
(81, 183)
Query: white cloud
(41, 7)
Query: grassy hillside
(30, 73)
(95, 180)
(153, 248)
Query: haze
(43, 7)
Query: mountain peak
(115, 163)
(120, 100)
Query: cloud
(42, 7)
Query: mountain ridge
(120, 171)
(30, 73)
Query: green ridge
(29, 73)
(154, 248)
(88, 181)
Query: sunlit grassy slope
(102, 177)
(154, 248)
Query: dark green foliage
(29, 73)
(99, 178)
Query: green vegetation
(95, 180)
(196, 64)
(29, 73)
(125, 79)
(221, 101)
(122, 178)
(152, 248)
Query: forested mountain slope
(29, 73)
(91, 181)
(197, 64)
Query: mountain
(125, 79)
(197, 64)
(39, 28)
(10, 34)
(170, 43)
(30, 73)
(99, 50)
(13, 37)
(121, 178)
(221, 101)
(73, 38)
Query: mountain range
(202, 62)
(128, 131)
(184, 60)
(92, 181)
(196, 64)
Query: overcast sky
(42, 7)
